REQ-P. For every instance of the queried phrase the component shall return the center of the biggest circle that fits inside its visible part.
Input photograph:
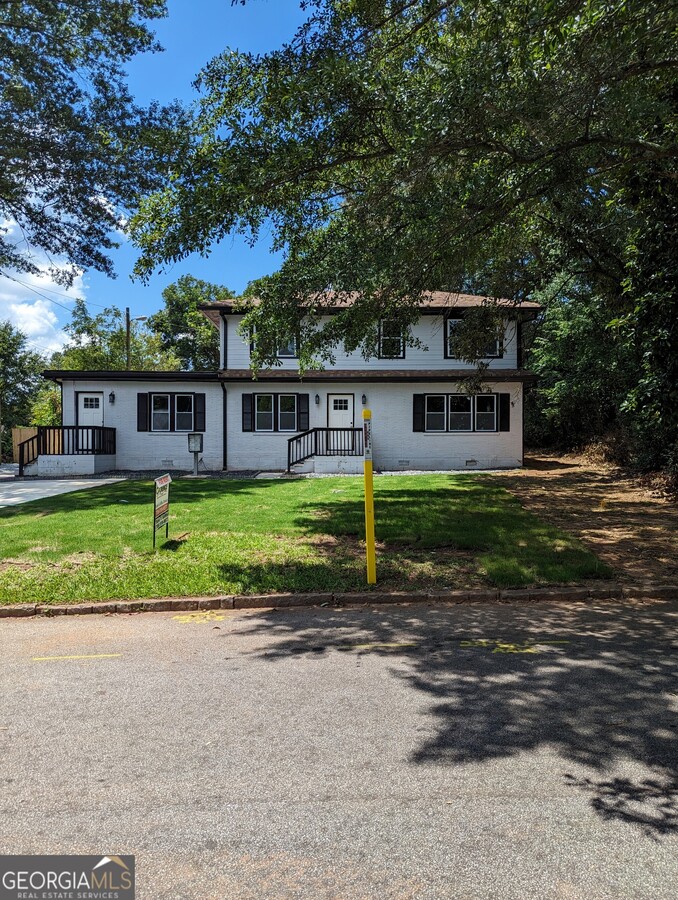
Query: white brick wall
(429, 329)
(396, 445)
(146, 449)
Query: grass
(258, 536)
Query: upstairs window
(288, 349)
(391, 340)
(492, 350)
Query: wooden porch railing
(66, 440)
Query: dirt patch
(16, 565)
(626, 524)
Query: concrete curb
(582, 594)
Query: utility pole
(127, 336)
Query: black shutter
(275, 401)
(142, 412)
(504, 412)
(173, 412)
(248, 412)
(302, 412)
(418, 406)
(198, 412)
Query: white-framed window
(263, 412)
(435, 412)
(391, 340)
(460, 412)
(183, 412)
(486, 412)
(493, 349)
(160, 412)
(288, 349)
(287, 412)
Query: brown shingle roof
(334, 301)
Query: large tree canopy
(75, 150)
(182, 328)
(19, 380)
(421, 144)
(100, 343)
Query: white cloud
(35, 303)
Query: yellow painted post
(369, 498)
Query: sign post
(161, 505)
(369, 498)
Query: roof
(434, 303)
(124, 375)
(372, 375)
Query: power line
(56, 303)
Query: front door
(340, 415)
(90, 412)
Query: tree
(19, 380)
(395, 147)
(75, 151)
(46, 406)
(99, 343)
(184, 330)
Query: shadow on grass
(596, 686)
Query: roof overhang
(372, 375)
(59, 375)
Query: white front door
(90, 409)
(340, 415)
(90, 412)
(340, 410)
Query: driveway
(14, 491)
(403, 752)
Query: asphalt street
(515, 751)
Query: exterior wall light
(317, 399)
(111, 398)
(364, 399)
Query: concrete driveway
(506, 752)
(14, 491)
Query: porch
(68, 450)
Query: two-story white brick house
(422, 418)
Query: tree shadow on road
(599, 686)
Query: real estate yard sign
(161, 505)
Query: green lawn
(433, 531)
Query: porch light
(111, 398)
(317, 399)
(363, 399)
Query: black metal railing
(66, 440)
(324, 442)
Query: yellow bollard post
(369, 498)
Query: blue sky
(193, 32)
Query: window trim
(152, 427)
(381, 338)
(499, 344)
(272, 414)
(177, 413)
(495, 404)
(474, 428)
(296, 413)
(471, 412)
(293, 355)
(437, 413)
